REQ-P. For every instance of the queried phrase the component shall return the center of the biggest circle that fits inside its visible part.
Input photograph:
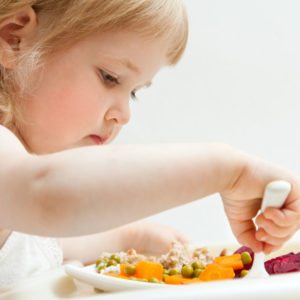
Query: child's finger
(270, 248)
(273, 229)
(245, 234)
(250, 241)
(262, 236)
(282, 217)
(183, 239)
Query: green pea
(130, 269)
(132, 278)
(101, 262)
(244, 273)
(166, 271)
(142, 279)
(187, 271)
(116, 258)
(197, 272)
(174, 271)
(100, 269)
(98, 262)
(154, 280)
(112, 262)
(246, 258)
(198, 264)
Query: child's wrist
(127, 236)
(231, 164)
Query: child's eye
(111, 80)
(107, 78)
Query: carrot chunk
(146, 269)
(216, 272)
(178, 279)
(234, 261)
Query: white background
(238, 83)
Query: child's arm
(92, 189)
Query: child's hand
(151, 238)
(243, 200)
(143, 236)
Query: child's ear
(16, 33)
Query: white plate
(289, 283)
(276, 287)
(106, 283)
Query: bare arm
(92, 189)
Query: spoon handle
(275, 194)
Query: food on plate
(182, 265)
(177, 256)
(283, 264)
(249, 257)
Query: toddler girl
(68, 69)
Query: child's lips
(97, 139)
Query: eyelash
(109, 79)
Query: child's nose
(119, 111)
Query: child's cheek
(78, 109)
(62, 116)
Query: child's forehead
(125, 47)
(126, 36)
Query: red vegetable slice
(283, 264)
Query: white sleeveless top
(25, 255)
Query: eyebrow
(132, 67)
(124, 61)
(129, 64)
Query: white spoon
(275, 195)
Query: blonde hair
(65, 22)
